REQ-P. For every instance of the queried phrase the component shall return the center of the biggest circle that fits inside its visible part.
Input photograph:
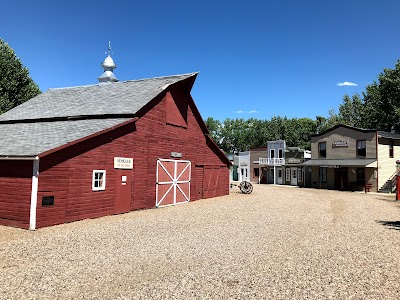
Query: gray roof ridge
(161, 77)
(125, 81)
(69, 118)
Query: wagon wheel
(246, 187)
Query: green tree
(382, 101)
(16, 86)
(233, 135)
(214, 127)
(236, 135)
(323, 123)
(298, 132)
(351, 111)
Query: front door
(280, 175)
(264, 175)
(271, 175)
(293, 181)
(341, 179)
(123, 189)
(244, 174)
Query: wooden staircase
(390, 185)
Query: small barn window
(99, 180)
(47, 200)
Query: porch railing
(271, 161)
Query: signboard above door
(123, 163)
(294, 160)
(176, 154)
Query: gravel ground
(276, 243)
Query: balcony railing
(271, 161)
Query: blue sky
(256, 58)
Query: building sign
(123, 163)
(176, 154)
(330, 166)
(294, 160)
(340, 143)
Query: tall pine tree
(16, 86)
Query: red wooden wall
(15, 192)
(67, 173)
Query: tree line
(377, 108)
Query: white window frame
(299, 175)
(287, 174)
(103, 186)
(270, 153)
(280, 153)
(361, 144)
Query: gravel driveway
(276, 243)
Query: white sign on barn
(123, 163)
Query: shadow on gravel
(387, 199)
(391, 224)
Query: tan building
(257, 171)
(349, 158)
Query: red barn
(109, 148)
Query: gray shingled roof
(125, 97)
(389, 135)
(21, 138)
(31, 139)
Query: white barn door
(172, 182)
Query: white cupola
(108, 66)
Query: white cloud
(346, 83)
(247, 112)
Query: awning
(337, 163)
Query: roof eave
(17, 157)
(345, 126)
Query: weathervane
(109, 49)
